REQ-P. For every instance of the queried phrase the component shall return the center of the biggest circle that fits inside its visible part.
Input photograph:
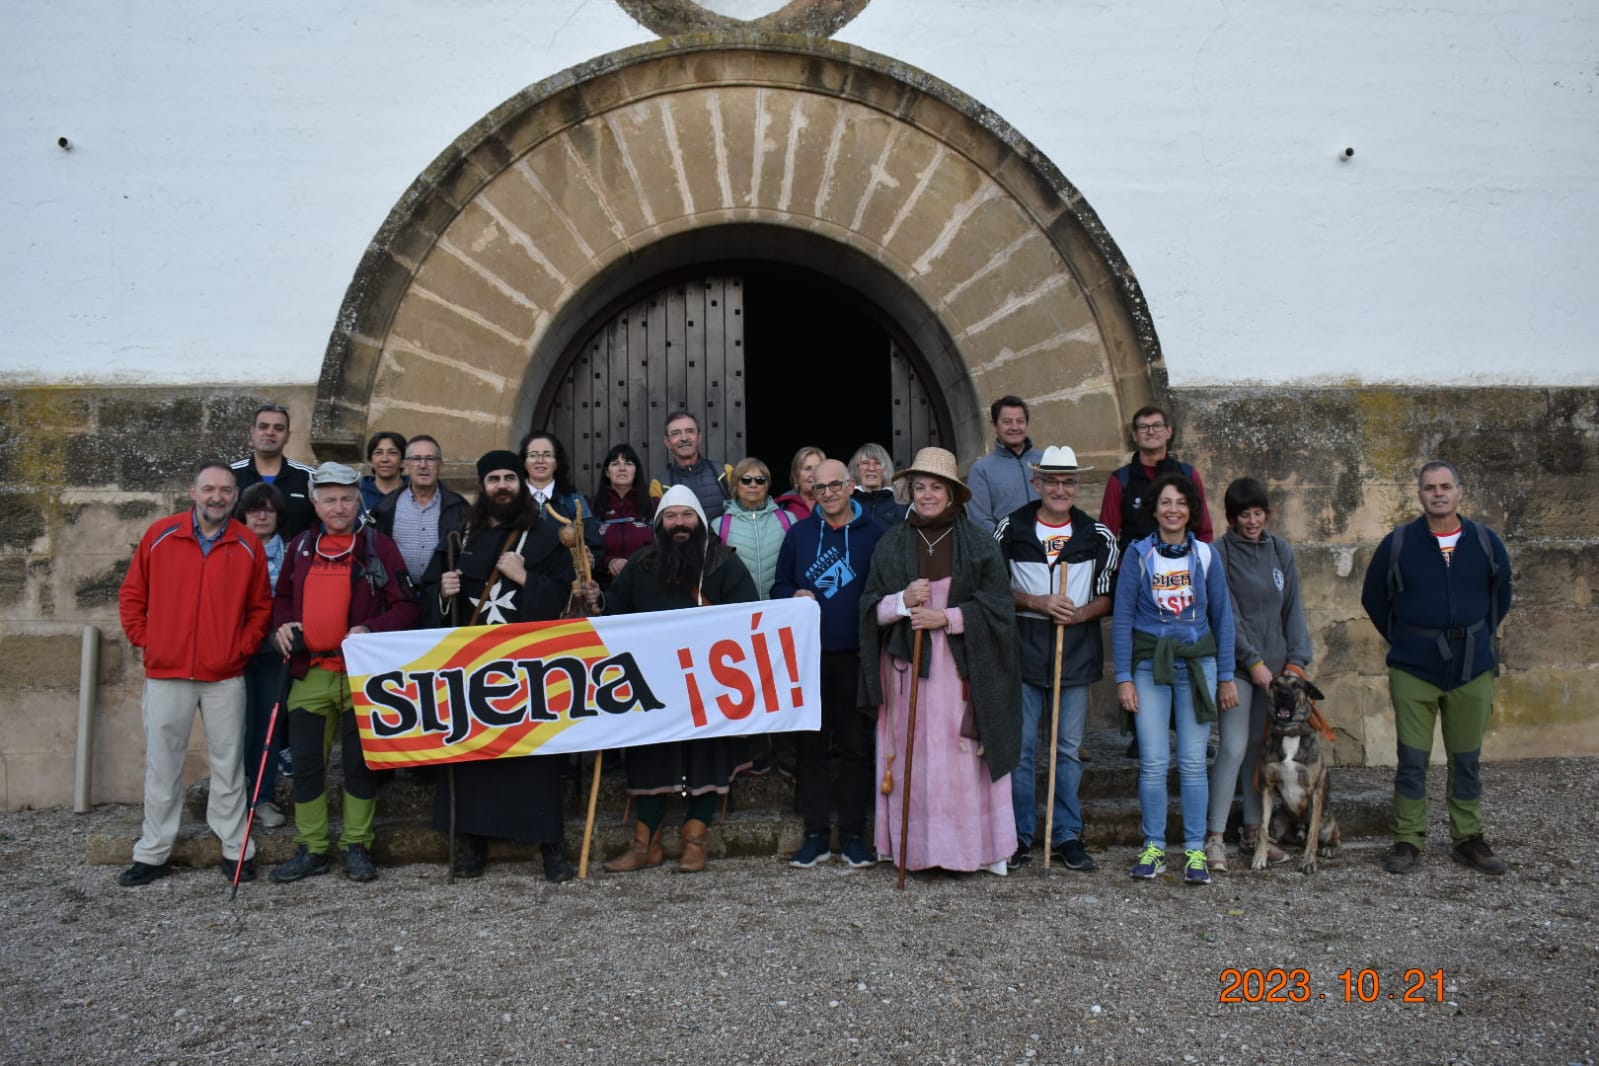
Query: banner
(431, 696)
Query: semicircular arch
(796, 149)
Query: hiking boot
(1022, 856)
(1194, 870)
(305, 863)
(1402, 858)
(267, 813)
(1151, 863)
(1475, 852)
(142, 873)
(1074, 856)
(811, 852)
(469, 856)
(1216, 852)
(857, 854)
(358, 864)
(246, 874)
(556, 869)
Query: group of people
(960, 619)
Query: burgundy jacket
(381, 608)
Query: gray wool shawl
(985, 654)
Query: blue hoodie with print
(832, 563)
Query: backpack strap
(724, 528)
(785, 519)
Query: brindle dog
(1294, 775)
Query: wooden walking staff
(1054, 718)
(572, 538)
(910, 755)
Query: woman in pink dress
(941, 576)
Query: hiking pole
(588, 826)
(452, 544)
(260, 775)
(1054, 730)
(910, 754)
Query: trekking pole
(260, 774)
(452, 544)
(1054, 731)
(910, 754)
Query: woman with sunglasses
(752, 524)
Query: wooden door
(915, 424)
(681, 347)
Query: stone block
(22, 520)
(30, 662)
(99, 590)
(13, 580)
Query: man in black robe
(512, 567)
(683, 567)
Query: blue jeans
(1073, 711)
(1158, 707)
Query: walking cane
(588, 826)
(260, 773)
(452, 544)
(910, 754)
(1054, 731)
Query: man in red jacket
(196, 600)
(338, 579)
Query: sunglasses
(753, 479)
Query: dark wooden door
(681, 347)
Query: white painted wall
(228, 169)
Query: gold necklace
(931, 544)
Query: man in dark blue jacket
(827, 557)
(1437, 590)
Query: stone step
(760, 819)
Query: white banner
(433, 696)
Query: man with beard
(512, 568)
(682, 567)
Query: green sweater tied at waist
(1165, 651)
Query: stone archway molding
(499, 253)
(819, 18)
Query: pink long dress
(960, 820)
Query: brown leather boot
(644, 852)
(693, 860)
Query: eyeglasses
(1149, 427)
(1058, 482)
(423, 459)
(540, 455)
(827, 488)
(753, 479)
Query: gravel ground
(756, 962)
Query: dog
(1294, 776)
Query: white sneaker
(1216, 853)
(267, 813)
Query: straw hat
(940, 464)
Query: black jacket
(294, 481)
(1091, 556)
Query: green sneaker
(1151, 862)
(1195, 872)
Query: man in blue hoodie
(827, 557)
(1437, 590)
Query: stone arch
(796, 148)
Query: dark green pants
(1464, 714)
